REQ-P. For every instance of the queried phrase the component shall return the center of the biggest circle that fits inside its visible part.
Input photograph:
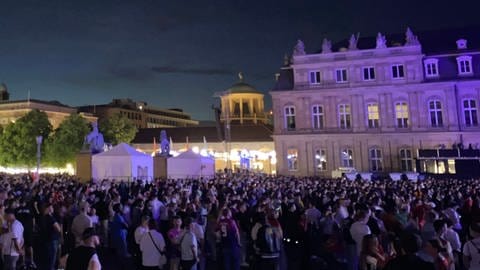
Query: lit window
(464, 64)
(321, 160)
(397, 71)
(470, 112)
(435, 111)
(376, 161)
(292, 159)
(317, 117)
(368, 73)
(290, 117)
(406, 160)
(373, 115)
(341, 75)
(401, 114)
(431, 67)
(344, 116)
(346, 156)
(314, 77)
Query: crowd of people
(239, 221)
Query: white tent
(122, 162)
(190, 165)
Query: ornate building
(141, 114)
(370, 105)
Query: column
(413, 111)
(241, 111)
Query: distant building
(11, 110)
(367, 106)
(141, 114)
(251, 146)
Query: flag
(205, 143)
(171, 143)
(154, 146)
(186, 145)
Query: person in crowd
(84, 256)
(229, 236)
(118, 232)
(26, 216)
(189, 247)
(267, 246)
(81, 222)
(438, 252)
(371, 256)
(410, 244)
(174, 237)
(471, 249)
(50, 233)
(12, 241)
(152, 246)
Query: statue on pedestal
(164, 144)
(352, 42)
(381, 41)
(410, 38)
(94, 140)
(326, 46)
(299, 49)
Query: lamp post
(39, 155)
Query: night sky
(179, 53)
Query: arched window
(470, 112)
(401, 114)
(376, 159)
(317, 117)
(435, 112)
(289, 117)
(344, 116)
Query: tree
(18, 145)
(117, 129)
(67, 140)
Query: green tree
(18, 145)
(117, 129)
(67, 140)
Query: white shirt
(187, 241)
(358, 230)
(15, 232)
(313, 215)
(150, 254)
(156, 204)
(452, 237)
(469, 250)
(139, 232)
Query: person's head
(48, 209)
(90, 237)
(226, 213)
(117, 208)
(177, 221)
(475, 230)
(362, 216)
(410, 243)
(10, 214)
(189, 223)
(84, 207)
(369, 244)
(145, 220)
(152, 225)
(433, 247)
(440, 227)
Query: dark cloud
(132, 73)
(191, 70)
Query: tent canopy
(122, 162)
(190, 165)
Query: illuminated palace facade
(370, 104)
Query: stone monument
(326, 46)
(93, 144)
(160, 161)
(381, 42)
(299, 48)
(352, 42)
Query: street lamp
(39, 155)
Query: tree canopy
(18, 146)
(117, 129)
(67, 140)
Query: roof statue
(352, 42)
(164, 144)
(240, 76)
(326, 46)
(299, 49)
(94, 140)
(286, 60)
(410, 38)
(381, 42)
(3, 87)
